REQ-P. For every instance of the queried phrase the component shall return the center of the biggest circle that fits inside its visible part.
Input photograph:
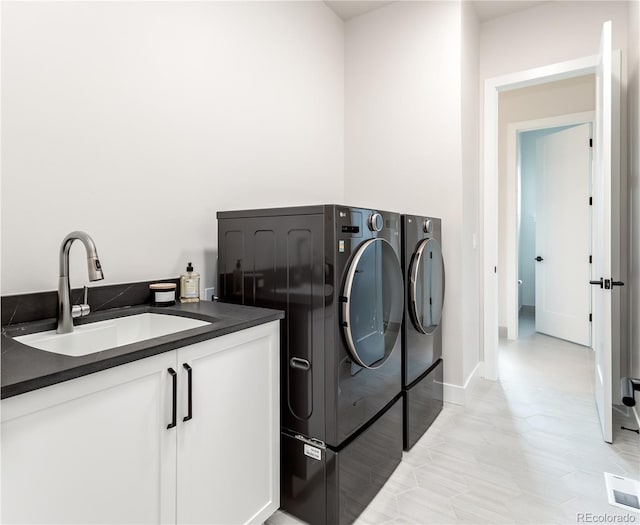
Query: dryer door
(372, 303)
(426, 286)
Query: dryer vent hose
(629, 386)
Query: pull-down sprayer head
(93, 261)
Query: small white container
(163, 294)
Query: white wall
(470, 124)
(548, 33)
(137, 121)
(404, 67)
(634, 187)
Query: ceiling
(347, 9)
(485, 9)
(490, 9)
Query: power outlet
(209, 294)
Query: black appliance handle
(300, 364)
(413, 283)
(190, 396)
(174, 379)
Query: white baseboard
(460, 395)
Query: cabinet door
(92, 450)
(229, 452)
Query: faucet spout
(65, 313)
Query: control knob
(375, 222)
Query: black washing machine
(336, 272)
(422, 363)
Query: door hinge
(591, 318)
(591, 143)
(590, 259)
(590, 201)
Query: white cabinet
(97, 449)
(90, 450)
(228, 453)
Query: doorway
(553, 244)
(606, 184)
(510, 293)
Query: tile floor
(527, 449)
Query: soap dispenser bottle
(190, 286)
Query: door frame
(492, 88)
(512, 237)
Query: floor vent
(623, 492)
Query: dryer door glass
(372, 303)
(426, 286)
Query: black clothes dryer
(336, 272)
(422, 363)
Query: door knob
(607, 284)
(538, 258)
(610, 283)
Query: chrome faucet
(66, 313)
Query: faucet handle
(81, 310)
(84, 307)
(76, 310)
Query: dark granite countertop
(25, 368)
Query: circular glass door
(372, 303)
(426, 286)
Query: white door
(562, 234)
(92, 450)
(229, 428)
(602, 234)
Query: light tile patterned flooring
(527, 448)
